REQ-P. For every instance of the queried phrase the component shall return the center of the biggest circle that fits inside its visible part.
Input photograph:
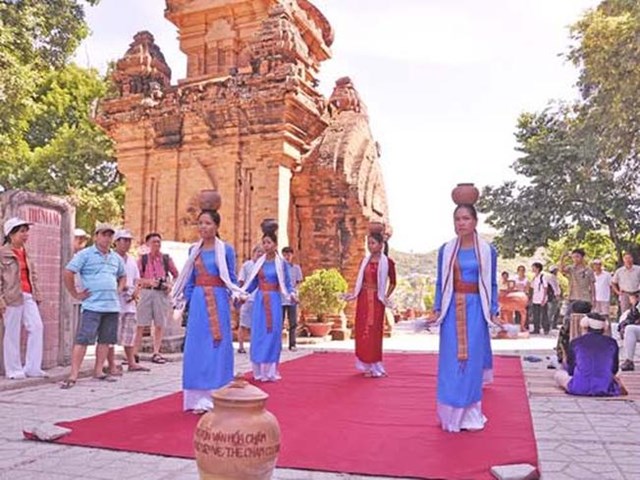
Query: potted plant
(321, 300)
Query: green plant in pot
(320, 297)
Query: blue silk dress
(207, 365)
(460, 381)
(266, 344)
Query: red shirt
(154, 268)
(25, 284)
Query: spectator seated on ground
(564, 335)
(629, 328)
(592, 362)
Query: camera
(162, 284)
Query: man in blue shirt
(103, 276)
(592, 362)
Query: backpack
(165, 263)
(551, 294)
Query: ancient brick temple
(248, 121)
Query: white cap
(78, 232)
(13, 223)
(122, 233)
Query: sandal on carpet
(68, 383)
(157, 358)
(105, 378)
(139, 368)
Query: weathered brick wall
(339, 189)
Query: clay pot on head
(465, 194)
(209, 200)
(376, 227)
(269, 225)
(238, 439)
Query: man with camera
(157, 272)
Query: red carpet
(335, 420)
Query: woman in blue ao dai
(208, 348)
(466, 304)
(270, 279)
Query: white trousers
(265, 372)
(631, 337)
(28, 315)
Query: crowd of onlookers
(117, 297)
(591, 312)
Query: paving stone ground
(577, 438)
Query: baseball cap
(122, 233)
(78, 232)
(104, 227)
(13, 223)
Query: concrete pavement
(577, 438)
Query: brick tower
(249, 122)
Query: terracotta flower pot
(238, 439)
(210, 200)
(319, 329)
(465, 194)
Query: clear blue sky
(444, 82)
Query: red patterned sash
(205, 279)
(267, 287)
(460, 291)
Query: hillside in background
(408, 264)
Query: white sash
(483, 254)
(383, 273)
(177, 292)
(256, 270)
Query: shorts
(127, 329)
(100, 325)
(154, 307)
(245, 314)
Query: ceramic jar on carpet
(239, 439)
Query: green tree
(606, 51)
(47, 138)
(567, 188)
(579, 164)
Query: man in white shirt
(539, 312)
(127, 324)
(603, 289)
(626, 279)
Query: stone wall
(50, 246)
